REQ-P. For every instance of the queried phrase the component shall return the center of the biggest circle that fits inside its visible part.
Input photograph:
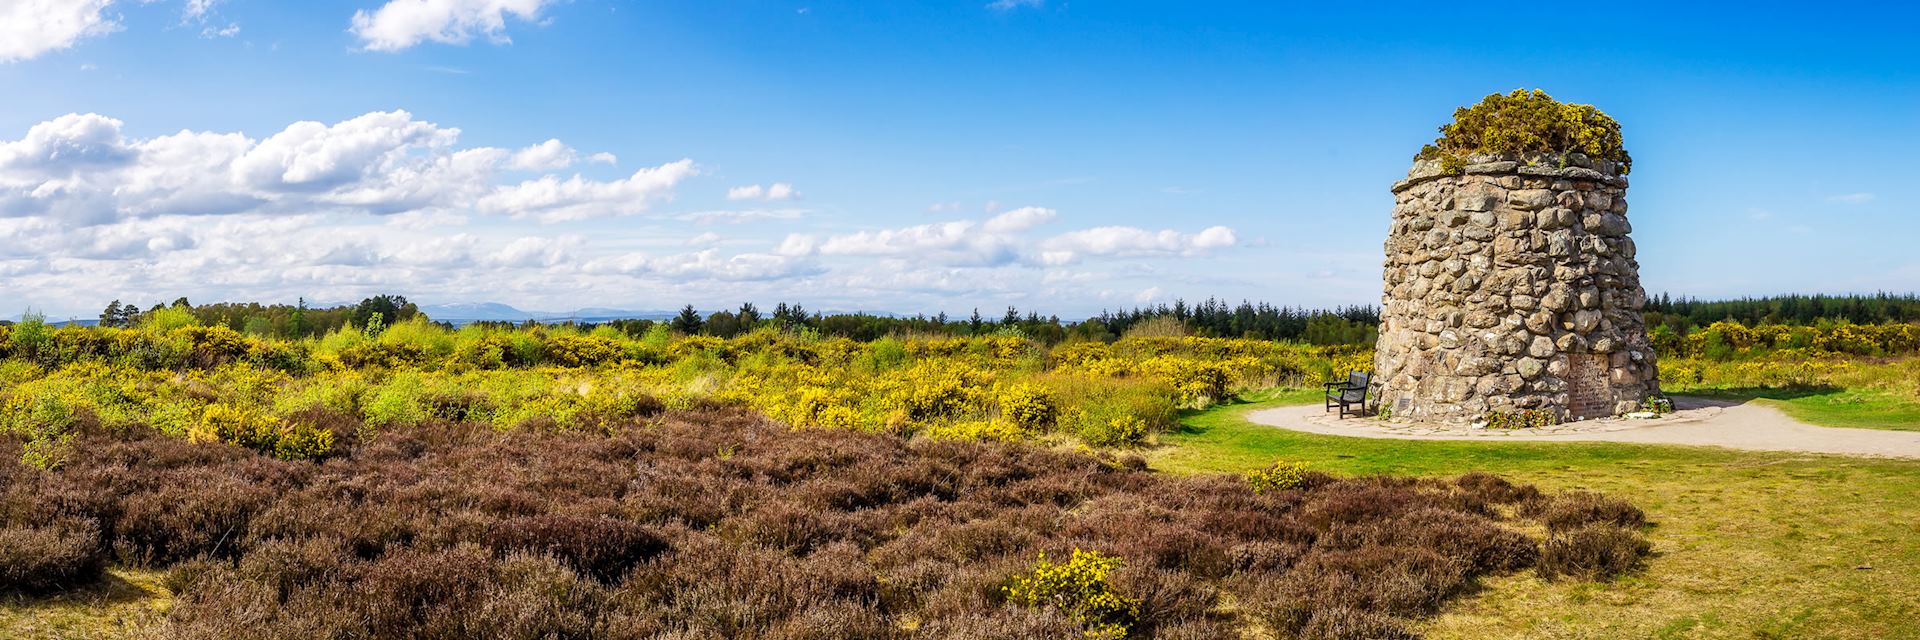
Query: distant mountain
(471, 311)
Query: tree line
(1213, 317)
(1684, 313)
(276, 320)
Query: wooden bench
(1350, 393)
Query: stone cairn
(1511, 286)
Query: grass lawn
(1748, 545)
(1828, 407)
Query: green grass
(1748, 545)
(1830, 407)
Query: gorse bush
(1279, 476)
(213, 383)
(1082, 587)
(1526, 123)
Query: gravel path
(1699, 421)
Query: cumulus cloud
(29, 28)
(312, 156)
(1020, 219)
(1132, 242)
(536, 252)
(81, 168)
(962, 242)
(1001, 240)
(546, 156)
(707, 264)
(773, 192)
(197, 9)
(551, 199)
(400, 24)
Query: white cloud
(798, 244)
(311, 156)
(704, 239)
(554, 200)
(29, 28)
(1020, 219)
(198, 8)
(231, 30)
(603, 158)
(742, 216)
(536, 252)
(1147, 295)
(774, 192)
(1132, 242)
(999, 241)
(963, 242)
(1851, 198)
(400, 24)
(81, 168)
(1009, 5)
(546, 156)
(943, 207)
(707, 264)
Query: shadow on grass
(1759, 393)
(111, 589)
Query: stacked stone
(1511, 285)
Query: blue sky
(899, 156)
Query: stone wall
(1512, 286)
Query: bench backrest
(1356, 390)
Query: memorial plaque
(1588, 395)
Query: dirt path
(1700, 422)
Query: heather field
(196, 482)
(550, 482)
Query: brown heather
(722, 524)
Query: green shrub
(401, 400)
(169, 318)
(1528, 122)
(420, 336)
(47, 452)
(1115, 431)
(1082, 587)
(31, 338)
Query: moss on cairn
(1526, 123)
